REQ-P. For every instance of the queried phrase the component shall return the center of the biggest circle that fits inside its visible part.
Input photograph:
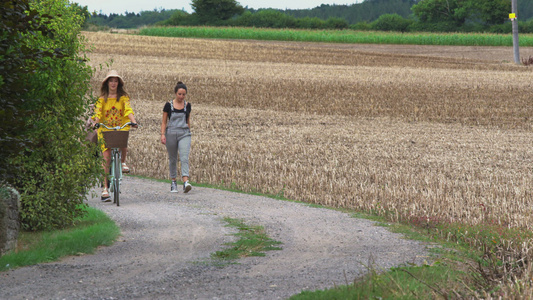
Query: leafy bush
(336, 23)
(15, 105)
(216, 12)
(310, 23)
(271, 18)
(434, 27)
(391, 22)
(54, 169)
(502, 28)
(243, 20)
(365, 26)
(179, 17)
(523, 27)
(3, 211)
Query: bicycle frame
(115, 174)
(115, 167)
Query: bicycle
(114, 140)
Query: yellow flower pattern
(113, 117)
(112, 113)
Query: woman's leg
(124, 151)
(184, 145)
(172, 149)
(107, 160)
(125, 168)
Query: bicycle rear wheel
(118, 175)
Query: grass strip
(93, 230)
(340, 36)
(398, 283)
(252, 241)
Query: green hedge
(54, 168)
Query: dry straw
(410, 136)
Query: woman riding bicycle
(113, 109)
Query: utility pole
(514, 21)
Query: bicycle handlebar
(116, 127)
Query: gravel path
(164, 251)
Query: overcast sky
(121, 6)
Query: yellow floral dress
(112, 113)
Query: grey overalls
(178, 137)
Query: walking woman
(113, 109)
(176, 135)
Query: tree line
(385, 15)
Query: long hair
(104, 90)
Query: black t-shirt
(169, 111)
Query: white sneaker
(186, 187)
(173, 187)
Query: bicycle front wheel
(118, 176)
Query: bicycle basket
(116, 139)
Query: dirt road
(164, 251)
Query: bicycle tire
(116, 181)
(111, 175)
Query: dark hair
(180, 85)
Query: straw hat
(113, 73)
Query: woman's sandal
(105, 196)
(125, 168)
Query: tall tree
(366, 11)
(215, 11)
(490, 12)
(435, 11)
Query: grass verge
(444, 275)
(93, 230)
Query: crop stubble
(405, 134)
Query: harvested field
(439, 133)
